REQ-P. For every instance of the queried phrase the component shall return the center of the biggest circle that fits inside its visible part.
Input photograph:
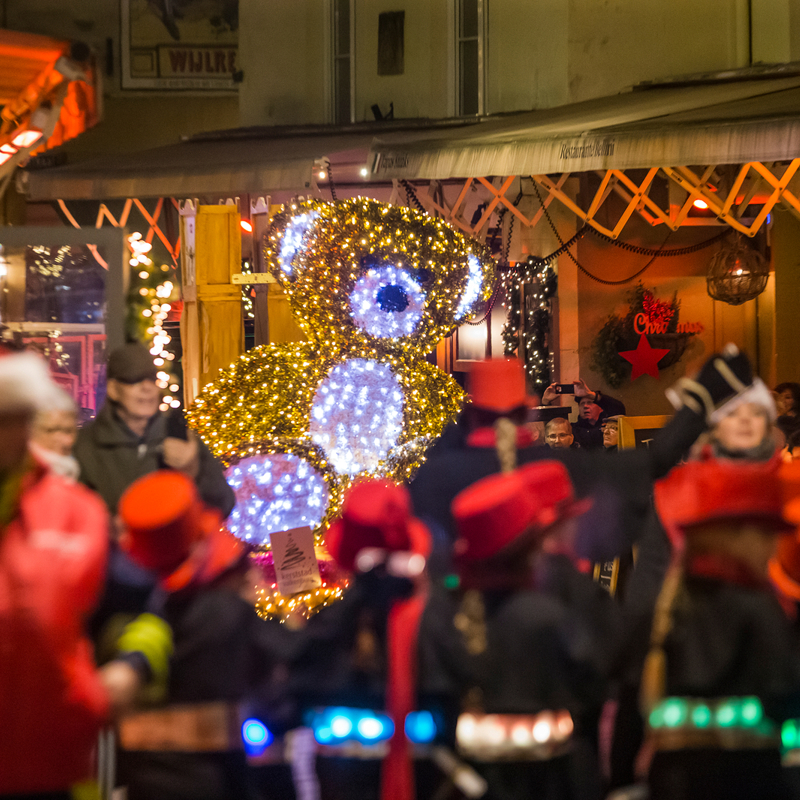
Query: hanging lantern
(737, 273)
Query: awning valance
(202, 166)
(717, 123)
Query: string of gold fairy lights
(318, 251)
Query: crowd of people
(474, 654)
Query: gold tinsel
(262, 402)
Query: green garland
(537, 323)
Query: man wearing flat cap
(129, 437)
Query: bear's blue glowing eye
(392, 298)
(387, 302)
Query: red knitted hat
(496, 510)
(377, 514)
(497, 384)
(715, 490)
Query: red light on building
(246, 226)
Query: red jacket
(52, 704)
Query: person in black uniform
(622, 484)
(521, 640)
(189, 747)
(356, 661)
(722, 670)
(740, 430)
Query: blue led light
(341, 726)
(334, 726)
(357, 415)
(293, 238)
(387, 302)
(256, 736)
(275, 493)
(323, 735)
(370, 728)
(420, 727)
(472, 290)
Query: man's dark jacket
(112, 457)
(588, 434)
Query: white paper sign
(295, 562)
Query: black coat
(621, 483)
(727, 640)
(589, 435)
(547, 648)
(223, 652)
(112, 457)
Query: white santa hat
(25, 383)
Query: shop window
(59, 299)
(343, 61)
(470, 54)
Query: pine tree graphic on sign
(293, 556)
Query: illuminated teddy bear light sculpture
(374, 287)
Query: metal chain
(633, 248)
(411, 196)
(644, 251)
(331, 184)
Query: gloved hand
(725, 377)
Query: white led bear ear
(472, 291)
(387, 302)
(292, 239)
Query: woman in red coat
(53, 542)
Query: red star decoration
(644, 359)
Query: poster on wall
(180, 44)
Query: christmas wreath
(650, 333)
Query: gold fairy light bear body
(374, 287)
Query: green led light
(751, 711)
(726, 715)
(451, 581)
(656, 718)
(789, 734)
(675, 712)
(701, 716)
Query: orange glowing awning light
(44, 92)
(26, 138)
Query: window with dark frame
(470, 55)
(391, 32)
(342, 62)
